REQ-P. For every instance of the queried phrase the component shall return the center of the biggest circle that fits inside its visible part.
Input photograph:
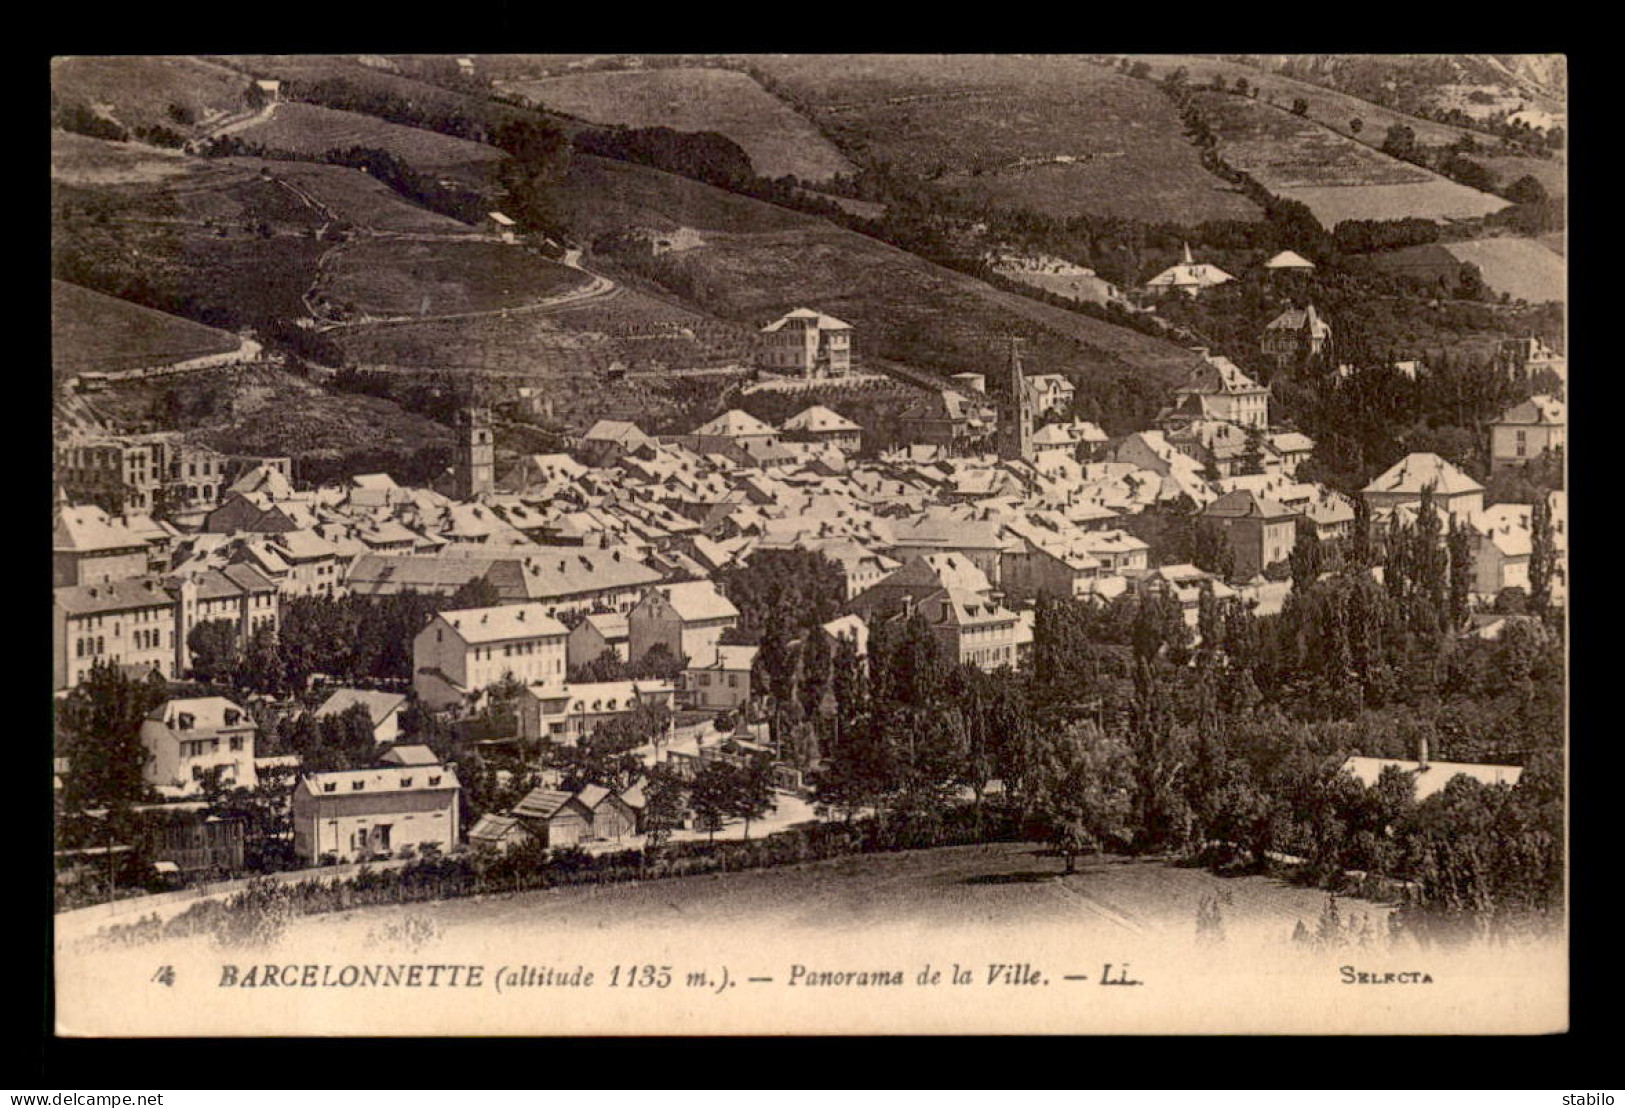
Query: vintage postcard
(554, 544)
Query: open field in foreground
(731, 103)
(992, 886)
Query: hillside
(91, 331)
(1057, 135)
(757, 261)
(1522, 268)
(777, 140)
(1298, 158)
(183, 94)
(312, 131)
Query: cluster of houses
(618, 547)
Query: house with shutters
(1538, 427)
(185, 739)
(823, 425)
(127, 622)
(724, 684)
(1216, 388)
(1259, 531)
(973, 628)
(807, 344)
(570, 713)
(1295, 335)
(461, 653)
(688, 618)
(1402, 484)
(363, 814)
(90, 547)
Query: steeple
(1185, 259)
(1015, 433)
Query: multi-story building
(127, 622)
(567, 714)
(823, 425)
(1220, 390)
(410, 800)
(805, 343)
(185, 739)
(1260, 531)
(144, 473)
(688, 618)
(956, 422)
(1403, 483)
(724, 684)
(972, 628)
(1051, 392)
(88, 546)
(460, 653)
(475, 468)
(1295, 335)
(1537, 427)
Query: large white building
(805, 343)
(185, 739)
(462, 652)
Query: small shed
(557, 818)
(270, 90)
(502, 226)
(612, 817)
(500, 833)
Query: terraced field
(388, 277)
(1058, 135)
(731, 103)
(91, 331)
(82, 161)
(1336, 177)
(357, 198)
(309, 130)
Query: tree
(1356, 125)
(262, 668)
(1300, 106)
(711, 794)
(1400, 141)
(663, 791)
(100, 721)
(1542, 557)
(1307, 559)
(606, 667)
(1460, 549)
(477, 593)
(213, 646)
(751, 795)
(1083, 792)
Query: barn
(556, 818)
(612, 818)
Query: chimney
(1422, 753)
(521, 615)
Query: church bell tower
(476, 453)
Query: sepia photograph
(809, 544)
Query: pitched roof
(541, 803)
(1214, 373)
(734, 423)
(386, 779)
(492, 827)
(1437, 774)
(88, 528)
(1301, 319)
(1243, 503)
(1288, 259)
(378, 704)
(819, 418)
(1414, 472)
(503, 623)
(208, 713)
(616, 430)
(822, 321)
(410, 754)
(1537, 409)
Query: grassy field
(84, 161)
(394, 277)
(955, 889)
(93, 331)
(357, 198)
(1336, 177)
(777, 140)
(1329, 107)
(1522, 268)
(1058, 135)
(312, 131)
(141, 90)
(1552, 173)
